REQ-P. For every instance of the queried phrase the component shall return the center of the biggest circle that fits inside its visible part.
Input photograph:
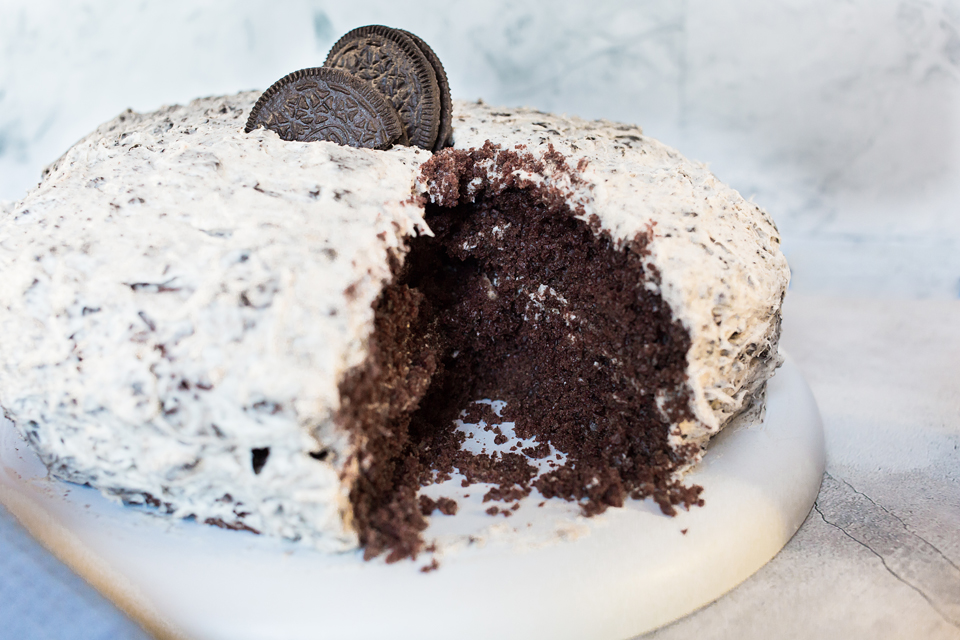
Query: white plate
(545, 572)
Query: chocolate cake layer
(516, 299)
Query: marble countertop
(878, 557)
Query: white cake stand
(545, 572)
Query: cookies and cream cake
(277, 336)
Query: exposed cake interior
(514, 298)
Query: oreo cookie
(445, 133)
(327, 104)
(393, 63)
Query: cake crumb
(427, 505)
(539, 451)
(447, 506)
(433, 566)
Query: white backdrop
(841, 118)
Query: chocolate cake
(278, 336)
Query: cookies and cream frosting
(180, 299)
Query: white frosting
(176, 286)
(177, 293)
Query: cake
(277, 336)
